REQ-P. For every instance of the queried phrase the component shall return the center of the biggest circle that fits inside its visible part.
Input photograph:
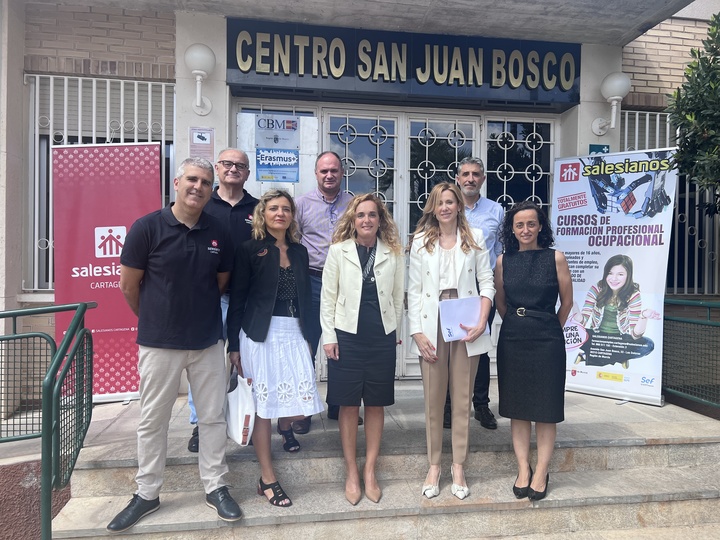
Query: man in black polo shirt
(234, 206)
(174, 265)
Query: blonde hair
(259, 230)
(387, 230)
(429, 226)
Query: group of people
(272, 276)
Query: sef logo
(646, 380)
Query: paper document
(456, 311)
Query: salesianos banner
(612, 218)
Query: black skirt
(366, 368)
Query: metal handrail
(77, 343)
(708, 305)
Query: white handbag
(240, 410)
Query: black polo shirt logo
(213, 248)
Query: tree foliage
(695, 111)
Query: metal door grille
(520, 156)
(693, 265)
(366, 145)
(436, 148)
(77, 110)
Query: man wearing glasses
(317, 213)
(234, 206)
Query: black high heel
(522, 492)
(539, 495)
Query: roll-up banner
(611, 216)
(99, 192)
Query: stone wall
(99, 41)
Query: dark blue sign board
(388, 66)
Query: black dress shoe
(486, 417)
(334, 411)
(194, 442)
(522, 492)
(137, 509)
(301, 427)
(220, 500)
(539, 495)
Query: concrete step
(587, 500)
(617, 466)
(320, 461)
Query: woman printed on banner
(529, 279)
(448, 260)
(614, 317)
(361, 307)
(267, 342)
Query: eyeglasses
(229, 165)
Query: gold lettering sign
(387, 61)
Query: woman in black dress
(360, 309)
(529, 277)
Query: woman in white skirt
(269, 302)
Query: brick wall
(100, 41)
(656, 61)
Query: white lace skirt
(281, 370)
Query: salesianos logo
(109, 241)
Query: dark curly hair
(545, 236)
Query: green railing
(691, 359)
(60, 412)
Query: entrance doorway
(401, 155)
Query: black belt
(524, 312)
(285, 308)
(316, 273)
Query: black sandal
(290, 443)
(278, 493)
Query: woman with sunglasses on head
(267, 336)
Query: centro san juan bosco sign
(419, 67)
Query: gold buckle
(520, 311)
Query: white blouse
(448, 275)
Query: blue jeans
(224, 302)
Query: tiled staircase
(618, 471)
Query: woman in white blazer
(360, 309)
(448, 260)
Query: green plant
(695, 111)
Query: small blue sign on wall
(277, 165)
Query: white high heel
(430, 490)
(456, 489)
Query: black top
(179, 294)
(238, 218)
(254, 286)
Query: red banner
(99, 191)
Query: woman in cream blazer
(448, 260)
(360, 309)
